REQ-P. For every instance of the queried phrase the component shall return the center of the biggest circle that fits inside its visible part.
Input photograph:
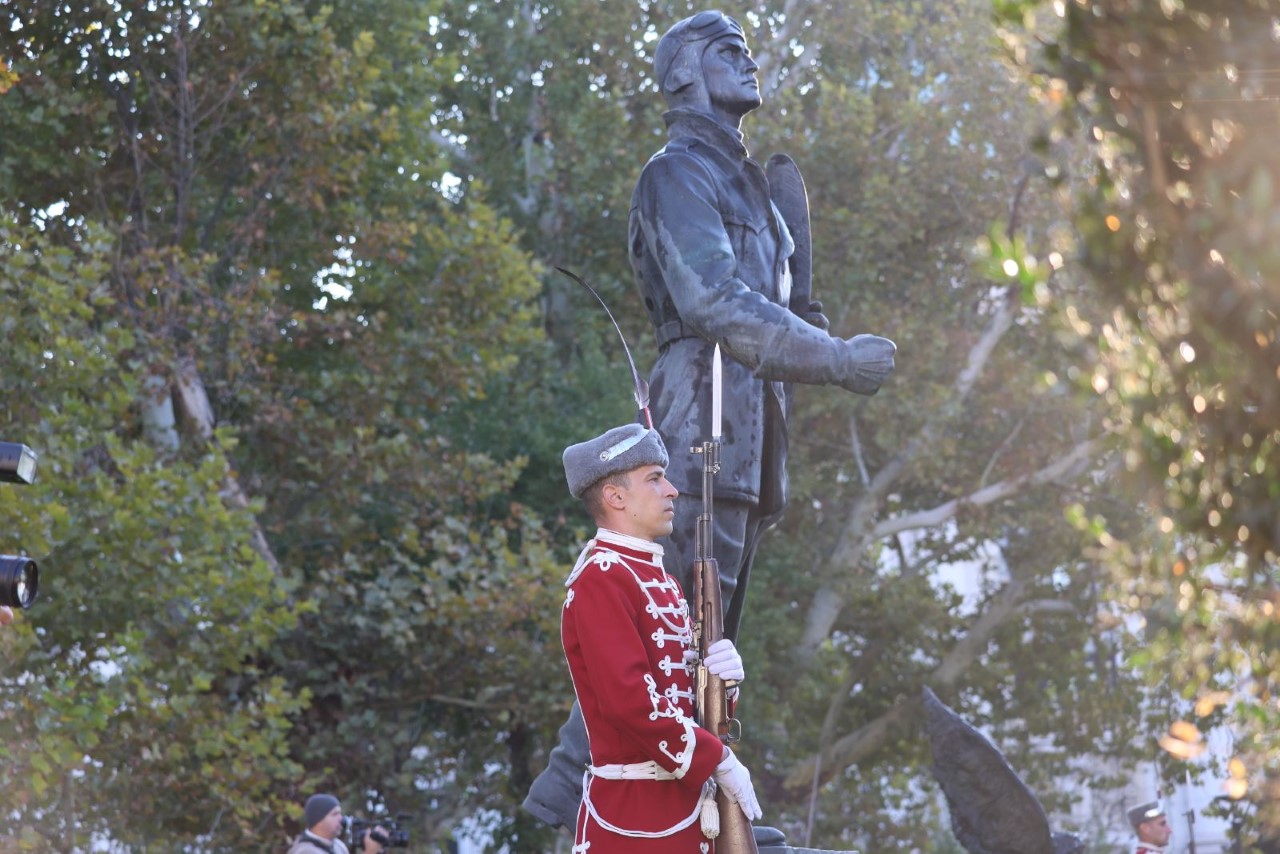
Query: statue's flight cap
(618, 450)
(678, 60)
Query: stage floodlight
(19, 581)
(17, 463)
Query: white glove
(732, 776)
(723, 661)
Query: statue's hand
(815, 317)
(866, 360)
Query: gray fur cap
(620, 449)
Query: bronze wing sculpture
(992, 810)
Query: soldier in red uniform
(1152, 826)
(629, 643)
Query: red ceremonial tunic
(625, 628)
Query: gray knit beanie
(318, 806)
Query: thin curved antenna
(641, 387)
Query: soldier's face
(1157, 831)
(729, 73)
(650, 503)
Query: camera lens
(19, 581)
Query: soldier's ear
(613, 496)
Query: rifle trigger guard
(733, 731)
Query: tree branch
(193, 401)
(858, 531)
(460, 701)
(769, 55)
(1069, 465)
(855, 444)
(873, 735)
(999, 452)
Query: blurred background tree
(1176, 227)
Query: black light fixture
(17, 463)
(19, 581)
(19, 576)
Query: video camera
(19, 576)
(395, 836)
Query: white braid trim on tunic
(603, 538)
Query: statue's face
(729, 74)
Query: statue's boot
(769, 839)
(557, 791)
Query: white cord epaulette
(603, 538)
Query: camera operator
(6, 615)
(322, 818)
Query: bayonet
(711, 694)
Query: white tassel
(710, 812)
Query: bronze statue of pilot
(715, 261)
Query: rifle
(712, 693)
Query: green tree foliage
(1177, 227)
(197, 175)
(152, 592)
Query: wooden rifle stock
(736, 836)
(712, 698)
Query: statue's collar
(683, 121)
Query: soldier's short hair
(593, 495)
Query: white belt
(635, 771)
(642, 771)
